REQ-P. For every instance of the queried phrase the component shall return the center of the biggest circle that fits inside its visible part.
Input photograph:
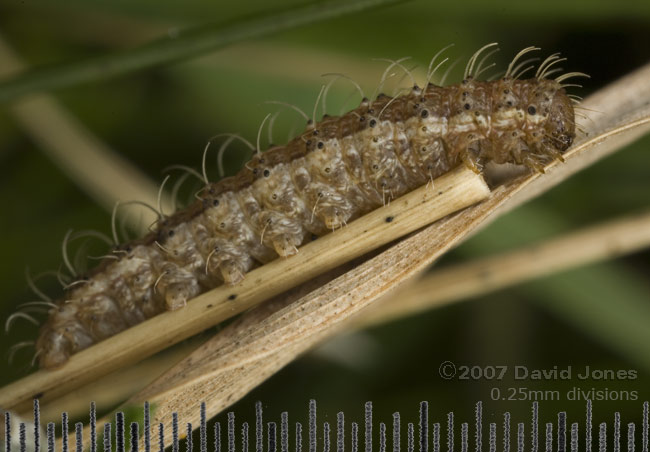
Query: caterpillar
(336, 170)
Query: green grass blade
(606, 301)
(185, 45)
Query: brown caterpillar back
(335, 171)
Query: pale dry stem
(483, 275)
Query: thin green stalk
(185, 45)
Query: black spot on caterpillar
(288, 194)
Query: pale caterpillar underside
(335, 171)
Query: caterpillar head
(560, 122)
(549, 107)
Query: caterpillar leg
(175, 286)
(284, 245)
(534, 162)
(470, 157)
(332, 206)
(231, 272)
(553, 153)
(102, 317)
(332, 217)
(177, 294)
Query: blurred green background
(164, 115)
